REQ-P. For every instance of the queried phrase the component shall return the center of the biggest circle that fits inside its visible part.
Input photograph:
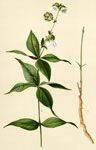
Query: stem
(42, 51)
(81, 59)
(40, 123)
(55, 20)
(80, 96)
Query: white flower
(51, 43)
(63, 10)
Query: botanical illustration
(32, 75)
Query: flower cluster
(50, 40)
(48, 16)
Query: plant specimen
(32, 76)
(80, 92)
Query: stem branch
(80, 96)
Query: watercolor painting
(46, 101)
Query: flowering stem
(54, 22)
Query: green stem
(40, 123)
(55, 20)
(81, 59)
(42, 51)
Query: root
(81, 116)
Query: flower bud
(59, 7)
(63, 9)
(48, 16)
(55, 6)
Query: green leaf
(72, 124)
(17, 52)
(30, 72)
(43, 83)
(32, 57)
(42, 42)
(44, 68)
(25, 123)
(54, 122)
(53, 58)
(33, 44)
(56, 85)
(19, 87)
(45, 98)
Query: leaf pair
(32, 76)
(30, 124)
(30, 73)
(43, 95)
(34, 47)
(44, 66)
